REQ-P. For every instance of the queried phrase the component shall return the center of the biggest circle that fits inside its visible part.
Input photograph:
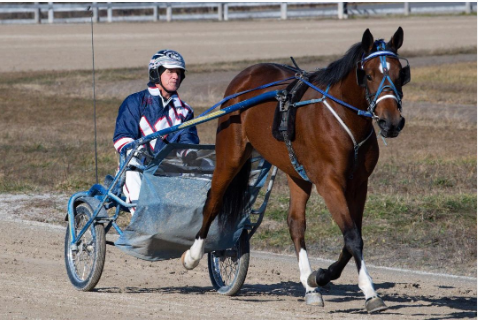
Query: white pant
(131, 187)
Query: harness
(287, 99)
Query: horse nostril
(401, 124)
(382, 123)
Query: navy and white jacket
(143, 113)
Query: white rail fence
(163, 11)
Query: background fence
(162, 11)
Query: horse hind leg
(299, 195)
(224, 173)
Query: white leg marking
(305, 269)
(194, 254)
(365, 282)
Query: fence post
(220, 11)
(110, 12)
(283, 10)
(37, 13)
(50, 12)
(406, 8)
(169, 12)
(468, 7)
(340, 10)
(155, 12)
(226, 12)
(96, 16)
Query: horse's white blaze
(365, 282)
(381, 67)
(305, 269)
(195, 253)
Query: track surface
(33, 279)
(62, 47)
(35, 285)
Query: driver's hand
(189, 156)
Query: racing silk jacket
(143, 113)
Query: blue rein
(381, 53)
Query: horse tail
(236, 199)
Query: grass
(454, 85)
(421, 210)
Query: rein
(370, 113)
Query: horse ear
(397, 40)
(367, 41)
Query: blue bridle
(397, 95)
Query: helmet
(167, 59)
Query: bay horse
(336, 147)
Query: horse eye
(369, 77)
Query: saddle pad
(299, 92)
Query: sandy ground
(34, 284)
(33, 278)
(62, 47)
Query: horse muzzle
(391, 129)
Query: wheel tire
(228, 268)
(85, 265)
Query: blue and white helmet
(168, 59)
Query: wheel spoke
(83, 259)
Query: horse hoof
(191, 265)
(312, 280)
(314, 298)
(374, 305)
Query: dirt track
(35, 285)
(68, 47)
(33, 279)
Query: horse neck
(350, 92)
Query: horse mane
(339, 69)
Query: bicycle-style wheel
(228, 268)
(84, 264)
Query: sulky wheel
(228, 268)
(84, 265)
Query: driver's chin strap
(170, 92)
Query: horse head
(382, 75)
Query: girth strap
(284, 108)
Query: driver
(156, 108)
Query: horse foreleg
(299, 195)
(356, 199)
(323, 276)
(347, 213)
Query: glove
(138, 158)
(189, 157)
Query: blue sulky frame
(100, 198)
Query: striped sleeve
(127, 123)
(119, 144)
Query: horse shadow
(464, 307)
